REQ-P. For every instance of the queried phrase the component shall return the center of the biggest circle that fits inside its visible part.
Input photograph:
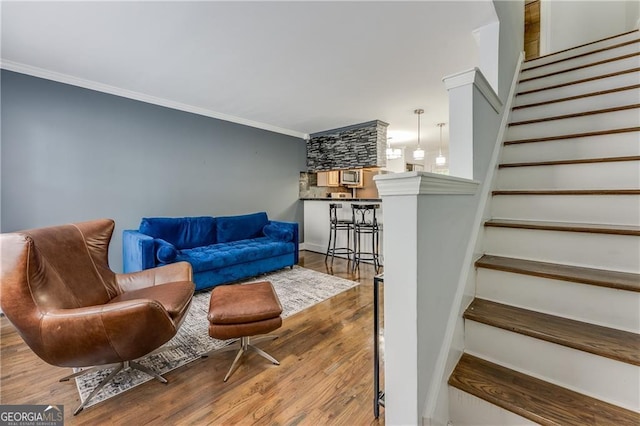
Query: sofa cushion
(279, 232)
(242, 227)
(182, 232)
(233, 253)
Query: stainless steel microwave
(351, 177)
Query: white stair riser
(602, 378)
(612, 175)
(611, 209)
(582, 60)
(580, 50)
(583, 124)
(614, 145)
(610, 100)
(600, 251)
(579, 74)
(468, 410)
(621, 80)
(582, 302)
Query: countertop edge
(340, 199)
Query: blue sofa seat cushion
(233, 253)
(181, 232)
(242, 227)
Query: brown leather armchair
(69, 307)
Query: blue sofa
(220, 249)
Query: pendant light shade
(418, 154)
(441, 160)
(393, 154)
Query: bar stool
(336, 225)
(365, 222)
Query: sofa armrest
(138, 251)
(293, 226)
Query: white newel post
(412, 226)
(463, 87)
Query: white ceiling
(293, 67)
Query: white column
(410, 219)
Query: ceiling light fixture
(418, 154)
(441, 160)
(393, 154)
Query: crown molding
(423, 183)
(113, 90)
(474, 76)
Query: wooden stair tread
(532, 398)
(564, 226)
(577, 274)
(607, 342)
(582, 96)
(574, 135)
(583, 80)
(592, 64)
(575, 115)
(568, 58)
(567, 192)
(577, 161)
(578, 47)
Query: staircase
(552, 336)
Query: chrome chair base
(244, 345)
(117, 367)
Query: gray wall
(71, 154)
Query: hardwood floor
(325, 374)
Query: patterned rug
(297, 289)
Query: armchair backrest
(59, 267)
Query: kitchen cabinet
(331, 178)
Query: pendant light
(418, 154)
(393, 154)
(441, 160)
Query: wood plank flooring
(325, 375)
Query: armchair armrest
(138, 251)
(179, 271)
(119, 330)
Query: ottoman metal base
(245, 344)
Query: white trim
(474, 76)
(455, 314)
(105, 88)
(423, 183)
(545, 28)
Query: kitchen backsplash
(308, 187)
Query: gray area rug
(297, 289)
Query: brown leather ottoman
(242, 310)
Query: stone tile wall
(352, 147)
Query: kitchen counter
(348, 200)
(316, 222)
